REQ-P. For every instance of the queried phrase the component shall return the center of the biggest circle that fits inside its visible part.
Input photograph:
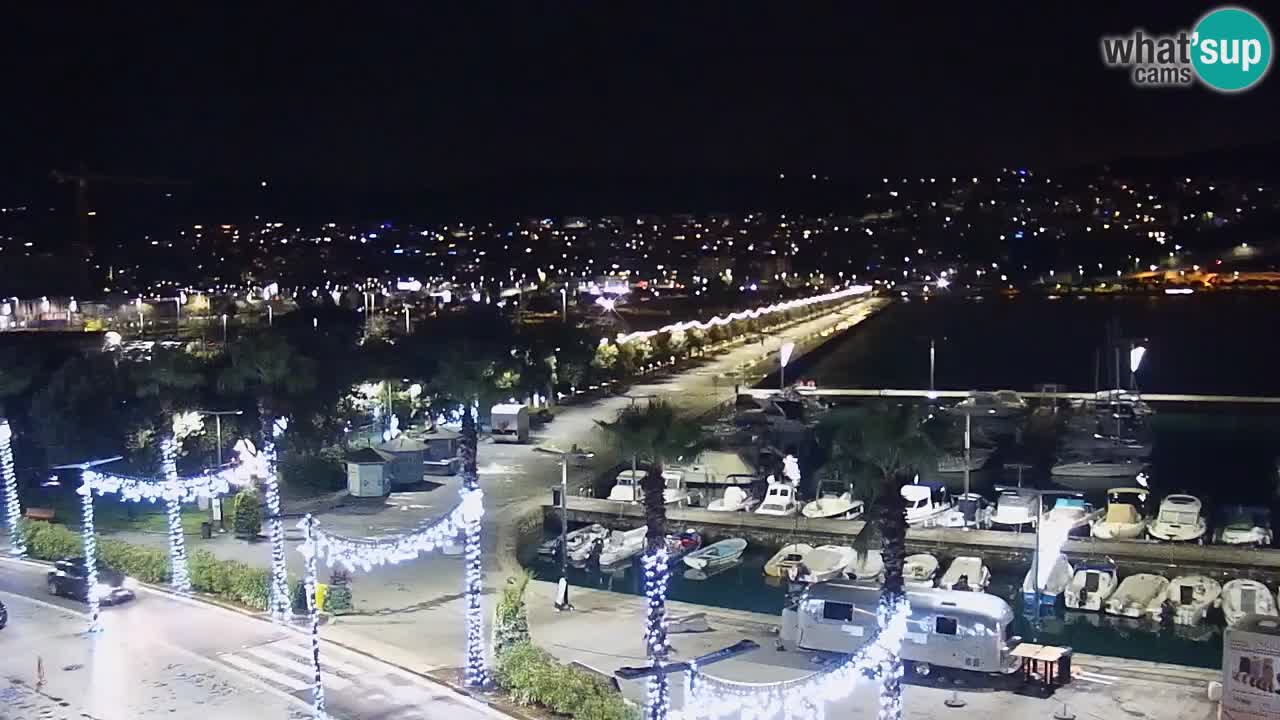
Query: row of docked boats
(610, 548)
(1184, 600)
(805, 563)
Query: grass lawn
(110, 514)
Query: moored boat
(966, 573)
(1090, 586)
(926, 502)
(826, 562)
(1188, 599)
(919, 570)
(1125, 518)
(1015, 509)
(788, 556)
(1053, 583)
(716, 555)
(1180, 519)
(622, 546)
(1136, 595)
(868, 565)
(735, 499)
(1246, 597)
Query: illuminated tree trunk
(12, 507)
(474, 668)
(656, 574)
(179, 575)
(893, 529)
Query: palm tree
(268, 366)
(655, 433)
(882, 447)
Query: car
(4, 616)
(68, 578)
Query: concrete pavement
(173, 657)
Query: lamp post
(215, 504)
(224, 328)
(406, 319)
(933, 354)
(562, 599)
(564, 305)
(784, 355)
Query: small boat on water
(919, 570)
(954, 461)
(826, 562)
(1246, 597)
(832, 502)
(1136, 595)
(971, 510)
(622, 546)
(1243, 525)
(779, 501)
(735, 499)
(1180, 519)
(576, 541)
(716, 555)
(1098, 467)
(1188, 598)
(788, 556)
(1091, 585)
(1015, 509)
(681, 544)
(1071, 513)
(1124, 519)
(926, 502)
(1056, 582)
(966, 573)
(865, 566)
(628, 487)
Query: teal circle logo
(1231, 49)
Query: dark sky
(422, 98)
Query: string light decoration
(656, 573)
(710, 697)
(89, 536)
(280, 606)
(309, 551)
(12, 507)
(180, 576)
(475, 674)
(717, 321)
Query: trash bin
(206, 530)
(1064, 667)
(555, 496)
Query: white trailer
(509, 423)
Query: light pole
(564, 305)
(784, 355)
(562, 597)
(215, 504)
(406, 319)
(224, 328)
(933, 354)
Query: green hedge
(225, 579)
(247, 517)
(532, 677)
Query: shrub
(510, 617)
(150, 565)
(309, 473)
(247, 514)
(338, 599)
(46, 541)
(532, 677)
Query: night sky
(419, 99)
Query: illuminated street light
(784, 355)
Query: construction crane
(82, 180)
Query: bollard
(954, 700)
(1064, 714)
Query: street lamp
(784, 355)
(562, 595)
(224, 328)
(215, 504)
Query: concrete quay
(996, 547)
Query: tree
(655, 434)
(267, 366)
(882, 447)
(16, 374)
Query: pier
(996, 547)
(1030, 394)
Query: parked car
(68, 578)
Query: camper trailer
(509, 423)
(947, 629)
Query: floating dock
(997, 548)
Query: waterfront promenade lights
(784, 356)
(215, 504)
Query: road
(164, 657)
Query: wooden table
(1044, 659)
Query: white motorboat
(1054, 583)
(577, 542)
(970, 510)
(681, 544)
(866, 566)
(954, 462)
(1001, 404)
(1179, 519)
(832, 503)
(622, 546)
(919, 570)
(1091, 585)
(735, 499)
(966, 573)
(628, 487)
(925, 502)
(716, 555)
(1136, 595)
(1243, 525)
(1071, 513)
(1189, 598)
(788, 556)
(779, 500)
(1114, 467)
(715, 468)
(1124, 519)
(1246, 597)
(826, 562)
(1015, 509)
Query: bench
(34, 513)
